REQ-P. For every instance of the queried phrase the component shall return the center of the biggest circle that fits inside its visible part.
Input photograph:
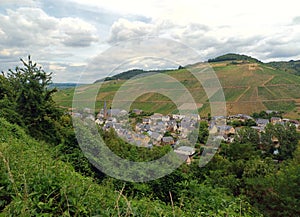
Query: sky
(72, 37)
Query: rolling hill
(248, 84)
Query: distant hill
(249, 86)
(234, 57)
(61, 86)
(290, 66)
(127, 75)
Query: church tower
(105, 110)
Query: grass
(286, 106)
(248, 88)
(35, 182)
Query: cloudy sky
(67, 36)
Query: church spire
(105, 110)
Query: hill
(63, 85)
(234, 57)
(35, 182)
(249, 86)
(127, 75)
(290, 66)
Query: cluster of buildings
(156, 129)
(159, 130)
(226, 132)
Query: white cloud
(33, 27)
(76, 32)
(124, 30)
(68, 31)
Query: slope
(35, 182)
(249, 86)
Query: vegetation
(44, 173)
(129, 74)
(290, 66)
(234, 57)
(249, 86)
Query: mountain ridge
(292, 66)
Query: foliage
(287, 140)
(35, 183)
(27, 95)
(265, 115)
(290, 66)
(40, 177)
(203, 132)
(232, 56)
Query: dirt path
(268, 80)
(238, 99)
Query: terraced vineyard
(248, 87)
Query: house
(185, 153)
(241, 117)
(156, 137)
(112, 119)
(172, 126)
(186, 150)
(156, 117)
(195, 117)
(177, 117)
(158, 128)
(271, 112)
(146, 121)
(220, 120)
(139, 127)
(167, 140)
(108, 125)
(213, 128)
(141, 140)
(295, 122)
(226, 129)
(99, 121)
(262, 122)
(116, 113)
(285, 120)
(276, 120)
(137, 111)
(165, 118)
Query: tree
(33, 100)
(203, 132)
(247, 134)
(287, 140)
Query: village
(155, 129)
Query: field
(247, 88)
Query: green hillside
(35, 182)
(44, 172)
(290, 66)
(234, 57)
(249, 86)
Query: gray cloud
(26, 27)
(146, 53)
(66, 31)
(25, 31)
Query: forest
(43, 171)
